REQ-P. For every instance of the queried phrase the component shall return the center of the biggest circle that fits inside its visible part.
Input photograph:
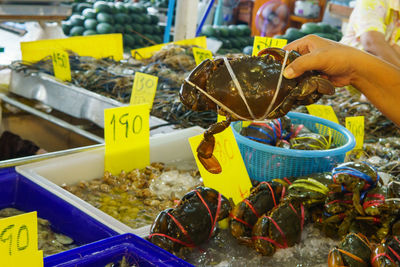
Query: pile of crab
(283, 133)
(350, 203)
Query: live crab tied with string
(192, 222)
(247, 89)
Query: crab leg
(237, 84)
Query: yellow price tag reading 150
(356, 126)
(61, 67)
(19, 241)
(322, 111)
(261, 43)
(233, 182)
(144, 89)
(127, 138)
(201, 54)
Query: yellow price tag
(147, 52)
(356, 126)
(322, 111)
(61, 66)
(19, 241)
(261, 43)
(127, 138)
(221, 118)
(97, 46)
(233, 182)
(144, 89)
(201, 54)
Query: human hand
(329, 57)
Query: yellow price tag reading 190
(261, 43)
(322, 111)
(127, 138)
(19, 241)
(61, 67)
(233, 182)
(144, 89)
(201, 54)
(356, 126)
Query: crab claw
(205, 156)
(335, 258)
(206, 148)
(315, 84)
(380, 257)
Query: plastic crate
(111, 250)
(87, 165)
(18, 192)
(264, 162)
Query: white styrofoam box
(88, 165)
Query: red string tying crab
(247, 88)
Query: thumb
(299, 66)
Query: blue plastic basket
(111, 250)
(265, 162)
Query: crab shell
(258, 77)
(193, 215)
(289, 223)
(355, 245)
(245, 214)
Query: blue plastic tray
(18, 192)
(111, 250)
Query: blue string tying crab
(357, 178)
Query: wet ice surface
(224, 250)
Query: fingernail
(288, 73)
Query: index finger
(301, 45)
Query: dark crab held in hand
(247, 88)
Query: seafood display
(347, 217)
(349, 203)
(192, 222)
(282, 133)
(247, 88)
(381, 137)
(114, 79)
(48, 241)
(135, 198)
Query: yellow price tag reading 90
(19, 241)
(17, 238)
(261, 43)
(126, 134)
(201, 54)
(144, 89)
(61, 65)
